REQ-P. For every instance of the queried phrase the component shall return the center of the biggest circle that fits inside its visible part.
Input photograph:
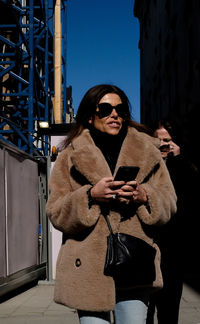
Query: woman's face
(165, 141)
(112, 123)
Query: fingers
(174, 148)
(133, 192)
(117, 184)
(132, 183)
(106, 189)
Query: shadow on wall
(191, 131)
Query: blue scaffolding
(27, 72)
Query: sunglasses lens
(105, 109)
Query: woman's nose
(114, 113)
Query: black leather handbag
(129, 260)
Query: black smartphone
(126, 173)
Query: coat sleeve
(161, 197)
(68, 211)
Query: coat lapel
(141, 150)
(89, 160)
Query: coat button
(77, 262)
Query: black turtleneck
(110, 145)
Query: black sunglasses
(104, 109)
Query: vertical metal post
(64, 33)
(46, 71)
(31, 73)
(49, 263)
(57, 63)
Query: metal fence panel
(22, 212)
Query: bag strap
(105, 213)
(108, 223)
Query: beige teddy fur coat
(80, 281)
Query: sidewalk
(36, 305)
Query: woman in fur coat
(82, 183)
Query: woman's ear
(90, 120)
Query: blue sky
(102, 47)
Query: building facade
(170, 63)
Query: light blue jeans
(131, 311)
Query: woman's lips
(114, 124)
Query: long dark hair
(87, 109)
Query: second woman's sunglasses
(104, 109)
